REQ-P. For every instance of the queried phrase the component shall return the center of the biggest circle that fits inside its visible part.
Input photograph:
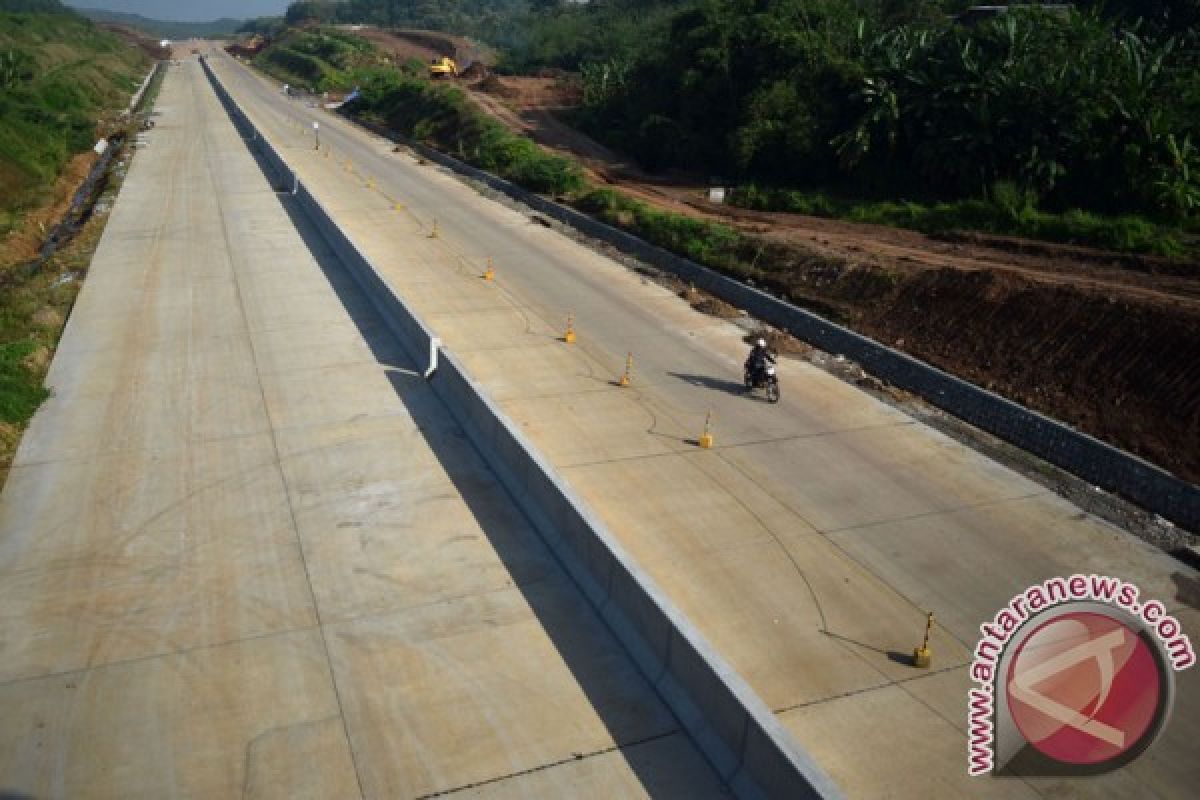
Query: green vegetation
(320, 59)
(592, 36)
(1091, 118)
(407, 102)
(705, 242)
(58, 74)
(441, 115)
(33, 308)
(1077, 111)
(21, 390)
(1007, 211)
(1078, 127)
(500, 22)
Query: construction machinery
(444, 67)
(249, 48)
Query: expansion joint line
(550, 765)
(291, 500)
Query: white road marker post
(434, 344)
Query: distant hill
(166, 29)
(33, 7)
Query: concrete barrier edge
(731, 725)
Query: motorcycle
(763, 378)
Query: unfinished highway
(808, 545)
(244, 551)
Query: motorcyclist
(756, 362)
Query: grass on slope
(1006, 212)
(20, 394)
(58, 74)
(319, 59)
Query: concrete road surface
(810, 543)
(244, 552)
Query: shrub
(20, 391)
(440, 115)
(706, 242)
(1010, 210)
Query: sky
(188, 10)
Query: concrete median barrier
(738, 734)
(736, 731)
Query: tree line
(1094, 107)
(1081, 109)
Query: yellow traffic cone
(706, 440)
(922, 656)
(627, 377)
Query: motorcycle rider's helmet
(761, 343)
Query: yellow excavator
(443, 67)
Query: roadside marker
(434, 233)
(922, 656)
(489, 274)
(627, 378)
(569, 336)
(706, 439)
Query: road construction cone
(569, 336)
(706, 439)
(922, 656)
(627, 377)
(489, 274)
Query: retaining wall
(136, 101)
(738, 734)
(1089, 458)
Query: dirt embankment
(25, 240)
(1123, 366)
(1106, 342)
(139, 39)
(426, 45)
(1123, 369)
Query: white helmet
(761, 343)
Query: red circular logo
(1084, 688)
